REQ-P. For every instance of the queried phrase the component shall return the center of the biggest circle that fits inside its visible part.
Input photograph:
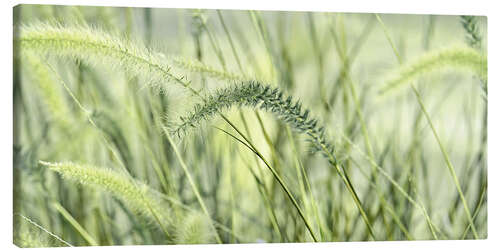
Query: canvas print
(153, 126)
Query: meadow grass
(113, 88)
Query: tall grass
(479, 68)
(115, 86)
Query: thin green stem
(192, 183)
(348, 184)
(75, 224)
(476, 212)
(443, 151)
(231, 43)
(342, 53)
(88, 115)
(276, 176)
(303, 178)
(431, 225)
(43, 229)
(262, 187)
(233, 49)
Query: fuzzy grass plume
(98, 47)
(47, 89)
(255, 95)
(105, 74)
(103, 48)
(460, 58)
(138, 198)
(199, 67)
(195, 228)
(473, 36)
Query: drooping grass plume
(138, 197)
(98, 47)
(104, 48)
(473, 37)
(462, 58)
(255, 95)
(105, 74)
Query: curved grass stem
(276, 176)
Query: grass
(449, 165)
(461, 58)
(163, 126)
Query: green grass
(165, 126)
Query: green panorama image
(154, 126)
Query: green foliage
(209, 190)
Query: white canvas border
(476, 7)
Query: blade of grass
(476, 212)
(216, 48)
(264, 35)
(192, 183)
(263, 189)
(303, 178)
(277, 177)
(449, 165)
(342, 53)
(87, 113)
(431, 225)
(75, 224)
(231, 43)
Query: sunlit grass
(164, 126)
